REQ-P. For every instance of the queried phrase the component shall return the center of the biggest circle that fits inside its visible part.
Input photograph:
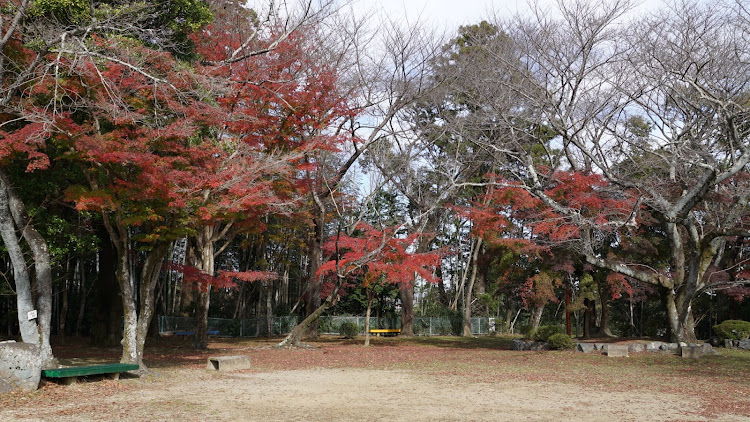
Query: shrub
(733, 329)
(349, 329)
(560, 341)
(526, 331)
(544, 332)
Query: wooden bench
(69, 375)
(386, 331)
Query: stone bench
(228, 363)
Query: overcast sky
(453, 13)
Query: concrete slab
(617, 350)
(228, 363)
(691, 351)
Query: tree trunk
(314, 286)
(84, 294)
(464, 276)
(130, 316)
(136, 315)
(536, 316)
(13, 216)
(25, 303)
(509, 317)
(470, 288)
(604, 295)
(681, 322)
(406, 294)
(149, 279)
(588, 317)
(200, 337)
(604, 320)
(407, 310)
(63, 310)
(295, 336)
(370, 296)
(269, 309)
(203, 259)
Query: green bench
(70, 374)
(386, 331)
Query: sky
(451, 14)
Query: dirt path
(351, 394)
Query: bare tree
(384, 71)
(658, 108)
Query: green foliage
(546, 331)
(733, 329)
(184, 15)
(66, 11)
(560, 341)
(349, 330)
(527, 331)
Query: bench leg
(69, 380)
(115, 376)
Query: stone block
(602, 347)
(636, 347)
(585, 347)
(20, 365)
(654, 346)
(708, 349)
(539, 346)
(744, 344)
(729, 344)
(517, 344)
(691, 351)
(617, 350)
(228, 363)
(670, 348)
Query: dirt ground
(356, 395)
(427, 391)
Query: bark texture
(14, 220)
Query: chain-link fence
(332, 324)
(254, 327)
(261, 327)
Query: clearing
(397, 379)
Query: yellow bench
(386, 331)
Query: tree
(566, 75)
(38, 44)
(376, 256)
(271, 120)
(382, 74)
(432, 163)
